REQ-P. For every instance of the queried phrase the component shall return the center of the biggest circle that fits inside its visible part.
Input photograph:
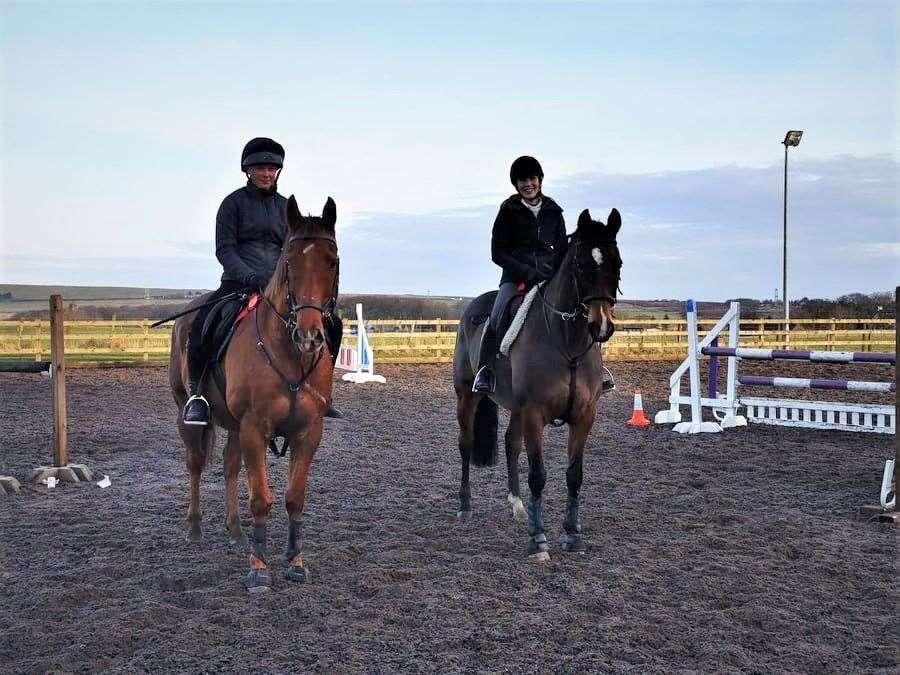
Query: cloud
(713, 233)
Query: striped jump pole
(786, 412)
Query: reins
(578, 312)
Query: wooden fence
(431, 341)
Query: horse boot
(259, 580)
(334, 333)
(296, 572)
(484, 379)
(570, 540)
(538, 548)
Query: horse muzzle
(600, 320)
(308, 340)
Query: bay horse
(554, 374)
(277, 379)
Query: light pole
(791, 139)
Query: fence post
(58, 381)
(36, 344)
(146, 341)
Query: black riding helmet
(525, 167)
(262, 151)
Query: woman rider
(529, 243)
(250, 230)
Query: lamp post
(791, 139)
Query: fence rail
(431, 341)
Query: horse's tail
(484, 450)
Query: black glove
(545, 270)
(252, 280)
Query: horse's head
(307, 274)
(597, 268)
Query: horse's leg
(466, 405)
(254, 447)
(232, 462)
(197, 444)
(513, 448)
(533, 431)
(578, 433)
(303, 447)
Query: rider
(529, 243)
(250, 230)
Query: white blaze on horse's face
(597, 255)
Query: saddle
(222, 319)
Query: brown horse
(276, 381)
(553, 372)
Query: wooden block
(41, 473)
(82, 472)
(874, 512)
(67, 474)
(9, 484)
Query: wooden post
(146, 341)
(896, 397)
(58, 381)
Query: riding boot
(484, 379)
(196, 410)
(334, 332)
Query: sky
(122, 126)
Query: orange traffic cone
(637, 417)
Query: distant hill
(28, 293)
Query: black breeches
(506, 293)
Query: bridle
(326, 309)
(580, 310)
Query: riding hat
(262, 151)
(525, 167)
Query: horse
(553, 375)
(275, 379)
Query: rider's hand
(252, 280)
(545, 270)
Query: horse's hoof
(195, 535)
(463, 516)
(239, 543)
(298, 575)
(571, 543)
(540, 557)
(259, 581)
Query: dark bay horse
(554, 372)
(277, 382)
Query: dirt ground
(728, 552)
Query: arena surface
(707, 553)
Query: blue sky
(122, 125)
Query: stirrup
(491, 383)
(607, 384)
(200, 423)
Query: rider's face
(528, 188)
(263, 175)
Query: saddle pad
(518, 321)
(249, 307)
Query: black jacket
(250, 230)
(522, 244)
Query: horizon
(673, 114)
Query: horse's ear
(613, 223)
(329, 213)
(584, 220)
(293, 213)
